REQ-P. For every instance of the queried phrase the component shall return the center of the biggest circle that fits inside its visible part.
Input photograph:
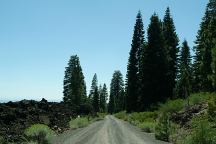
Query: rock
(185, 116)
(44, 119)
(44, 101)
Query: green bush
(202, 133)
(135, 122)
(148, 127)
(172, 106)
(143, 120)
(142, 117)
(212, 110)
(177, 133)
(121, 115)
(2, 140)
(163, 128)
(39, 133)
(200, 97)
(79, 122)
(101, 115)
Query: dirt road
(108, 131)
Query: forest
(158, 69)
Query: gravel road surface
(108, 131)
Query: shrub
(212, 110)
(148, 127)
(135, 122)
(121, 115)
(2, 140)
(101, 115)
(202, 133)
(176, 133)
(142, 117)
(79, 122)
(163, 128)
(39, 133)
(143, 120)
(172, 106)
(200, 97)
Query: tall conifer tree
(94, 85)
(171, 45)
(184, 83)
(203, 72)
(94, 94)
(212, 35)
(96, 100)
(103, 98)
(154, 65)
(132, 77)
(117, 99)
(74, 84)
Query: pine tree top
(185, 53)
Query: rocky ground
(183, 117)
(15, 117)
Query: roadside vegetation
(35, 134)
(144, 120)
(79, 122)
(2, 140)
(84, 121)
(39, 133)
(176, 122)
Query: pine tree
(198, 76)
(134, 65)
(154, 66)
(213, 65)
(96, 100)
(184, 83)
(99, 92)
(103, 98)
(212, 35)
(94, 94)
(117, 99)
(93, 87)
(111, 104)
(74, 84)
(203, 72)
(171, 45)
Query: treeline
(153, 63)
(75, 93)
(159, 68)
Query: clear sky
(37, 37)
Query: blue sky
(37, 37)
